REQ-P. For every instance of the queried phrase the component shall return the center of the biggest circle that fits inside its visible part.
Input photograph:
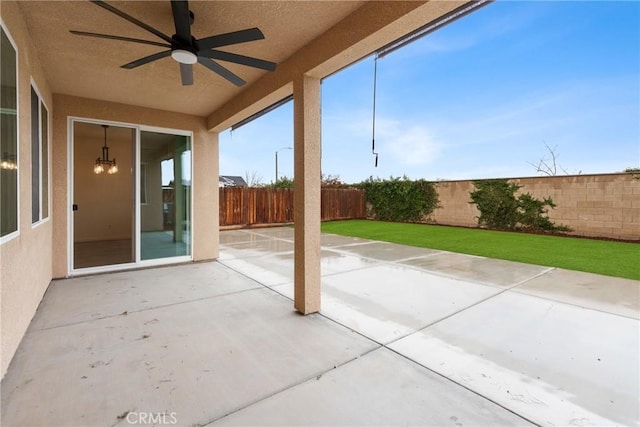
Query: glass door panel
(165, 195)
(103, 195)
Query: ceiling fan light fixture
(184, 56)
(184, 48)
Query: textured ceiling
(90, 67)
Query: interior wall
(105, 201)
(205, 168)
(151, 212)
(25, 261)
(154, 149)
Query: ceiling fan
(186, 49)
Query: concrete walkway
(406, 336)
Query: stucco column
(306, 154)
(206, 222)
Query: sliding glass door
(131, 196)
(165, 195)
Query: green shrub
(400, 199)
(284, 182)
(496, 201)
(499, 208)
(326, 181)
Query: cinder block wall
(605, 205)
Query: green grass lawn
(594, 256)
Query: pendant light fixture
(8, 161)
(104, 162)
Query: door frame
(137, 263)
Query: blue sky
(478, 98)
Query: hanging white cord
(373, 133)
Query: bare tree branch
(548, 164)
(253, 179)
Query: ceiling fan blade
(126, 39)
(238, 59)
(226, 39)
(147, 59)
(182, 20)
(219, 69)
(131, 19)
(186, 74)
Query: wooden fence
(343, 203)
(249, 206)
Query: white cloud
(412, 146)
(408, 143)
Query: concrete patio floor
(406, 336)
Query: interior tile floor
(161, 244)
(406, 336)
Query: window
(8, 136)
(44, 132)
(39, 158)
